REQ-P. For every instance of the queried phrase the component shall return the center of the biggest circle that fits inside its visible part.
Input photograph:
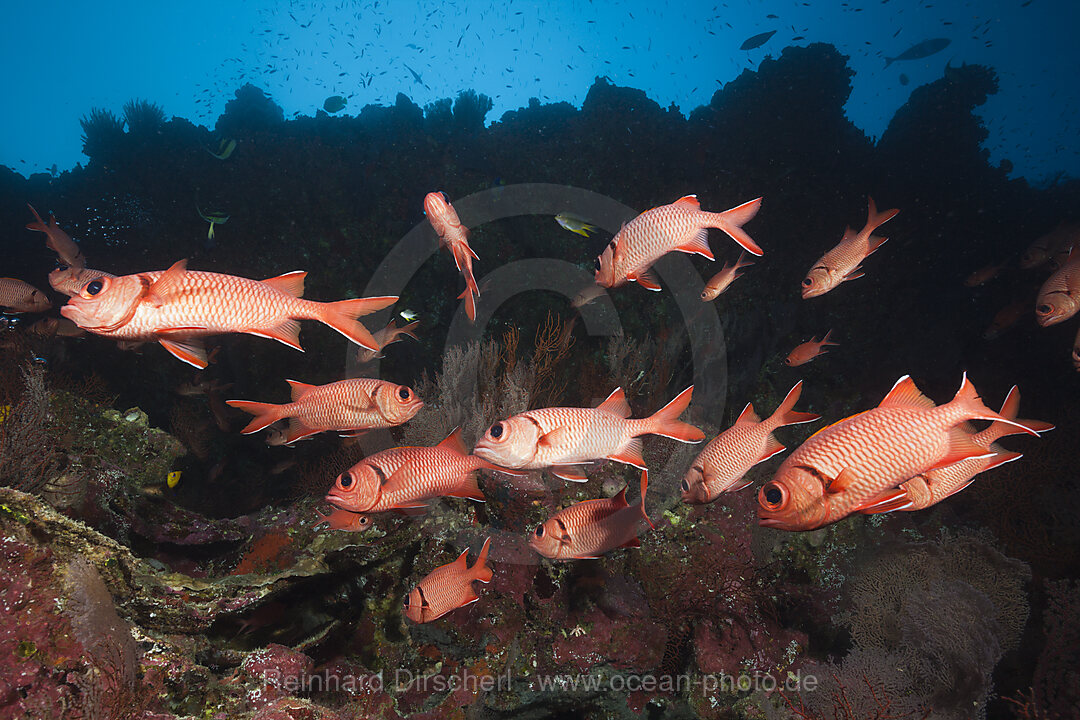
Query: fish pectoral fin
(697, 244)
(854, 274)
(352, 433)
(554, 438)
(190, 351)
(847, 477)
(646, 279)
(286, 332)
(567, 472)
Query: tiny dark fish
(903, 79)
(773, 17)
(334, 103)
(756, 41)
(924, 49)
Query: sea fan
(143, 117)
(102, 133)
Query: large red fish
(933, 486)
(724, 462)
(58, 241)
(70, 280)
(563, 437)
(448, 587)
(589, 529)
(18, 296)
(178, 307)
(1059, 296)
(845, 467)
(842, 262)
(455, 237)
(681, 226)
(407, 477)
(345, 406)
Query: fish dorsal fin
(688, 202)
(905, 394)
(849, 234)
(454, 443)
(748, 414)
(298, 389)
(462, 562)
(619, 501)
(167, 284)
(616, 404)
(291, 283)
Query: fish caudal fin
(875, 219)
(38, 223)
(968, 400)
(470, 302)
(481, 570)
(666, 420)
(408, 329)
(786, 415)
(1009, 409)
(826, 341)
(266, 414)
(731, 222)
(341, 316)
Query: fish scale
(596, 434)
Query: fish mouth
(75, 315)
(772, 523)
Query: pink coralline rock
(595, 639)
(278, 672)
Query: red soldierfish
(58, 241)
(808, 351)
(722, 280)
(681, 226)
(338, 519)
(562, 437)
(842, 262)
(387, 336)
(933, 486)
(845, 467)
(589, 529)
(1055, 244)
(1059, 296)
(448, 587)
(455, 237)
(70, 280)
(727, 458)
(407, 477)
(346, 406)
(18, 296)
(178, 307)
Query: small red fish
(407, 477)
(1054, 245)
(933, 486)
(722, 280)
(455, 237)
(681, 226)
(1059, 296)
(724, 462)
(808, 351)
(587, 530)
(178, 307)
(842, 263)
(387, 336)
(58, 241)
(338, 519)
(983, 275)
(563, 437)
(345, 406)
(1006, 317)
(448, 587)
(70, 280)
(22, 297)
(845, 467)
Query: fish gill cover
(247, 605)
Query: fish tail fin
(742, 261)
(731, 222)
(968, 400)
(481, 570)
(825, 340)
(408, 329)
(889, 61)
(875, 219)
(341, 316)
(38, 223)
(1009, 409)
(265, 414)
(644, 489)
(786, 415)
(665, 421)
(470, 302)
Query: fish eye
(685, 486)
(596, 265)
(62, 268)
(496, 430)
(807, 282)
(787, 361)
(344, 481)
(403, 392)
(539, 531)
(1044, 309)
(772, 496)
(704, 294)
(94, 287)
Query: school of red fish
(905, 454)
